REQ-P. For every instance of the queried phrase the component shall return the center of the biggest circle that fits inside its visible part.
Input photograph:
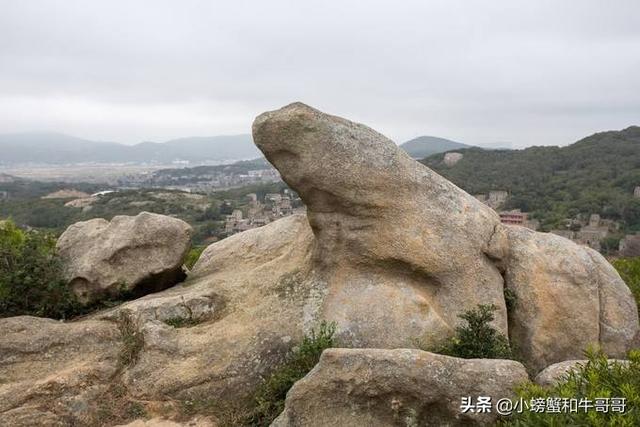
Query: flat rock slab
(362, 387)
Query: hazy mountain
(424, 146)
(54, 148)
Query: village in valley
(589, 230)
(248, 210)
(258, 213)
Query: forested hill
(424, 146)
(594, 175)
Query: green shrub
(510, 299)
(596, 379)
(477, 339)
(629, 270)
(193, 256)
(31, 281)
(270, 396)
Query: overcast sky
(480, 72)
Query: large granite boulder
(140, 254)
(389, 250)
(403, 251)
(373, 387)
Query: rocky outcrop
(138, 254)
(52, 372)
(389, 250)
(401, 249)
(246, 301)
(567, 298)
(360, 387)
(450, 159)
(404, 252)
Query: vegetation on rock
(132, 340)
(596, 379)
(271, 394)
(186, 321)
(477, 339)
(31, 281)
(193, 255)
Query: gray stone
(360, 387)
(139, 254)
(568, 298)
(402, 249)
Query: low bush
(193, 256)
(31, 281)
(596, 379)
(477, 339)
(270, 396)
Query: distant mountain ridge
(597, 174)
(424, 146)
(53, 148)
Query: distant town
(589, 230)
(256, 210)
(259, 213)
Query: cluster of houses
(202, 181)
(496, 199)
(585, 230)
(258, 213)
(589, 232)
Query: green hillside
(595, 175)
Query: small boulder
(140, 254)
(360, 387)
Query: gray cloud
(526, 72)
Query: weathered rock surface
(140, 254)
(404, 252)
(248, 296)
(52, 371)
(568, 297)
(551, 375)
(360, 387)
(390, 251)
(161, 422)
